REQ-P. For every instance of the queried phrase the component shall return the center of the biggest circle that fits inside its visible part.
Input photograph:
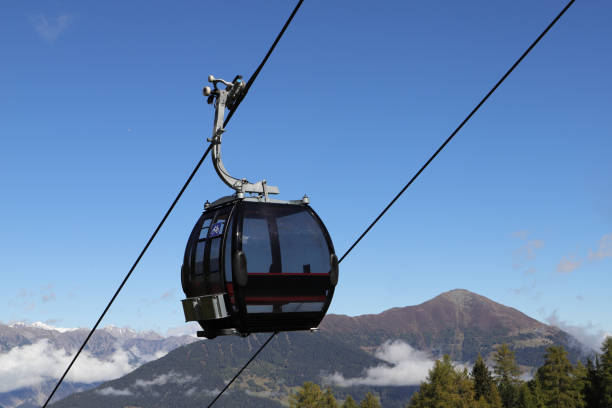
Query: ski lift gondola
(252, 263)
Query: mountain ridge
(342, 354)
(32, 355)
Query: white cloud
(168, 295)
(589, 335)
(163, 379)
(110, 391)
(203, 391)
(187, 329)
(407, 366)
(32, 364)
(50, 28)
(46, 326)
(527, 252)
(261, 394)
(568, 264)
(604, 250)
(521, 234)
(145, 358)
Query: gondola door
(288, 266)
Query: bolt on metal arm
(223, 98)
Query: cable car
(252, 263)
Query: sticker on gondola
(215, 230)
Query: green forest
(556, 384)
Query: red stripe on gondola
(287, 274)
(285, 299)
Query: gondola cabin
(256, 265)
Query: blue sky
(103, 119)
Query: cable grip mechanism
(229, 97)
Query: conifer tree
(606, 372)
(536, 392)
(580, 382)
(349, 402)
(445, 387)
(558, 381)
(464, 389)
(525, 398)
(436, 390)
(370, 401)
(593, 392)
(506, 375)
(483, 380)
(495, 400)
(328, 400)
(308, 395)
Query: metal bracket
(229, 98)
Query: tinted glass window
(214, 274)
(303, 307)
(228, 254)
(303, 246)
(256, 244)
(190, 245)
(199, 258)
(260, 308)
(216, 228)
(204, 230)
(286, 307)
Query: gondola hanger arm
(223, 98)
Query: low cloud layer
(145, 358)
(203, 391)
(187, 329)
(33, 364)
(114, 392)
(170, 378)
(589, 335)
(141, 386)
(407, 366)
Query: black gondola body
(253, 264)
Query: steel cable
(468, 117)
(127, 276)
(241, 370)
(249, 83)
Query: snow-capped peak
(42, 326)
(126, 332)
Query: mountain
(32, 355)
(191, 375)
(388, 353)
(459, 323)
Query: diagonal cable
(241, 370)
(229, 116)
(263, 62)
(248, 85)
(161, 223)
(251, 80)
(467, 118)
